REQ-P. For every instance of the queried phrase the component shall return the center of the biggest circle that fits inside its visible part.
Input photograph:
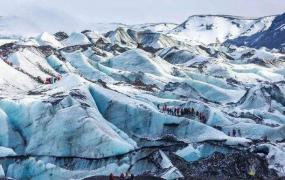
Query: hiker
(139, 46)
(178, 111)
(165, 108)
(48, 80)
(158, 106)
(192, 111)
(265, 139)
(204, 119)
(122, 176)
(239, 133)
(182, 111)
(111, 177)
(234, 132)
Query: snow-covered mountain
(149, 100)
(156, 27)
(217, 28)
(271, 38)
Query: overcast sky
(138, 11)
(35, 16)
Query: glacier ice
(105, 113)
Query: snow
(56, 64)
(120, 36)
(81, 63)
(106, 27)
(137, 60)
(190, 153)
(11, 84)
(31, 62)
(90, 138)
(139, 113)
(2, 173)
(48, 39)
(4, 129)
(213, 29)
(95, 36)
(155, 27)
(173, 173)
(8, 40)
(32, 169)
(76, 39)
(4, 152)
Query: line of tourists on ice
(178, 111)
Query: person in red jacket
(48, 80)
(165, 108)
(111, 177)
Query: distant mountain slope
(156, 27)
(218, 28)
(205, 29)
(271, 38)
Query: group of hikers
(49, 80)
(52, 80)
(178, 111)
(235, 133)
(122, 177)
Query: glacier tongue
(153, 100)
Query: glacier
(87, 104)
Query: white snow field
(214, 29)
(84, 104)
